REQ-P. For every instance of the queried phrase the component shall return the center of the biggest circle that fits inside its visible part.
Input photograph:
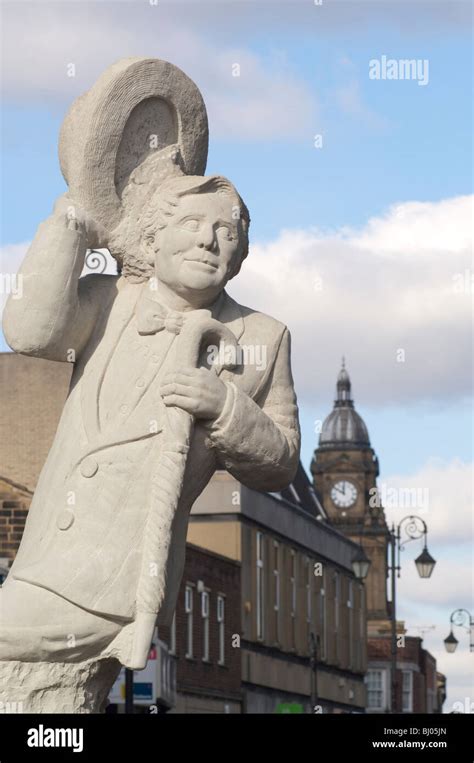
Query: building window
(205, 625)
(276, 588)
(407, 691)
(260, 585)
(362, 630)
(309, 592)
(293, 590)
(322, 617)
(337, 603)
(350, 607)
(188, 609)
(293, 583)
(337, 598)
(173, 635)
(220, 625)
(376, 690)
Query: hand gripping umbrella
(167, 482)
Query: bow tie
(153, 317)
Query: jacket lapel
(231, 315)
(246, 376)
(107, 334)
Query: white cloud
(450, 584)
(445, 490)
(266, 100)
(418, 228)
(400, 284)
(450, 522)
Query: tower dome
(344, 428)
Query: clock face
(344, 493)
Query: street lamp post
(414, 528)
(460, 617)
(313, 662)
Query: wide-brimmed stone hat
(143, 121)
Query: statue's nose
(206, 238)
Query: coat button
(89, 467)
(65, 520)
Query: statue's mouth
(206, 262)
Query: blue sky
(385, 143)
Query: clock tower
(345, 469)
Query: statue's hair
(162, 206)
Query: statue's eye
(191, 225)
(225, 232)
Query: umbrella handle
(201, 328)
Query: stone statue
(153, 409)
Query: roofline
(321, 522)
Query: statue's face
(200, 247)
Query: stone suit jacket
(84, 532)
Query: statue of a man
(71, 595)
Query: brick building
(14, 505)
(200, 638)
(33, 395)
(417, 683)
